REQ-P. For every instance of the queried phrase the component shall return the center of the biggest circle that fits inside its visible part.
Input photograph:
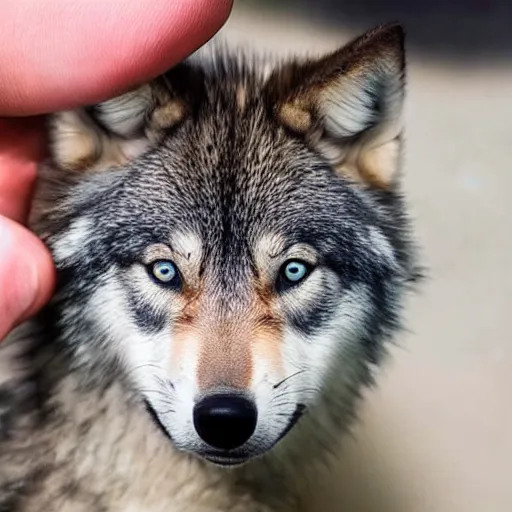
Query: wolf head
(231, 237)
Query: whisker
(283, 404)
(145, 365)
(295, 392)
(156, 391)
(168, 411)
(275, 386)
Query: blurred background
(436, 436)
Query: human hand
(60, 54)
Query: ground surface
(437, 435)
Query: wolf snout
(225, 421)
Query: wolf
(233, 256)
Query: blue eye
(164, 271)
(295, 271)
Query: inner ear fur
(349, 105)
(115, 131)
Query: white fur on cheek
(381, 246)
(142, 354)
(308, 362)
(74, 239)
(146, 357)
(316, 355)
(180, 423)
(268, 399)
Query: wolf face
(230, 239)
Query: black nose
(225, 421)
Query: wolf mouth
(228, 460)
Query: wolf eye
(292, 273)
(164, 272)
(295, 271)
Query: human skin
(59, 54)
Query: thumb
(26, 275)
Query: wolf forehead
(232, 147)
(230, 209)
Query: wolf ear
(349, 105)
(118, 130)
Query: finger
(61, 53)
(21, 147)
(26, 275)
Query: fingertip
(94, 50)
(45, 271)
(27, 275)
